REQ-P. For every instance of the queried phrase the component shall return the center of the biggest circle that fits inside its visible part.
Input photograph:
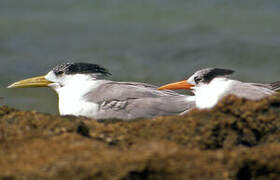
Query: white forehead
(191, 79)
(51, 76)
(196, 74)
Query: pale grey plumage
(274, 86)
(130, 100)
(252, 91)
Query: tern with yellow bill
(83, 91)
(211, 84)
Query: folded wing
(129, 100)
(252, 91)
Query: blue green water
(152, 41)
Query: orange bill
(177, 85)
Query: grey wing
(144, 108)
(252, 91)
(126, 90)
(130, 101)
(138, 84)
(268, 86)
(162, 106)
(274, 86)
(144, 85)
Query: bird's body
(103, 99)
(212, 84)
(83, 91)
(208, 95)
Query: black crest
(79, 68)
(207, 75)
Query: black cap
(208, 74)
(80, 68)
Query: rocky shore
(238, 139)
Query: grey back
(130, 100)
(252, 91)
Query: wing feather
(252, 91)
(136, 100)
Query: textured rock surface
(238, 139)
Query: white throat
(207, 95)
(71, 95)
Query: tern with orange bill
(83, 90)
(211, 84)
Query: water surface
(152, 41)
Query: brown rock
(237, 139)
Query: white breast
(207, 95)
(72, 102)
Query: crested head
(75, 74)
(69, 75)
(80, 68)
(208, 74)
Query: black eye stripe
(208, 74)
(59, 72)
(197, 79)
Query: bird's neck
(71, 98)
(77, 89)
(207, 95)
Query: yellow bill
(39, 81)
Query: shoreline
(237, 139)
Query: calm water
(153, 41)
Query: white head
(64, 75)
(198, 79)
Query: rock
(238, 139)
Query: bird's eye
(197, 79)
(59, 72)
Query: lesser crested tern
(83, 91)
(211, 84)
